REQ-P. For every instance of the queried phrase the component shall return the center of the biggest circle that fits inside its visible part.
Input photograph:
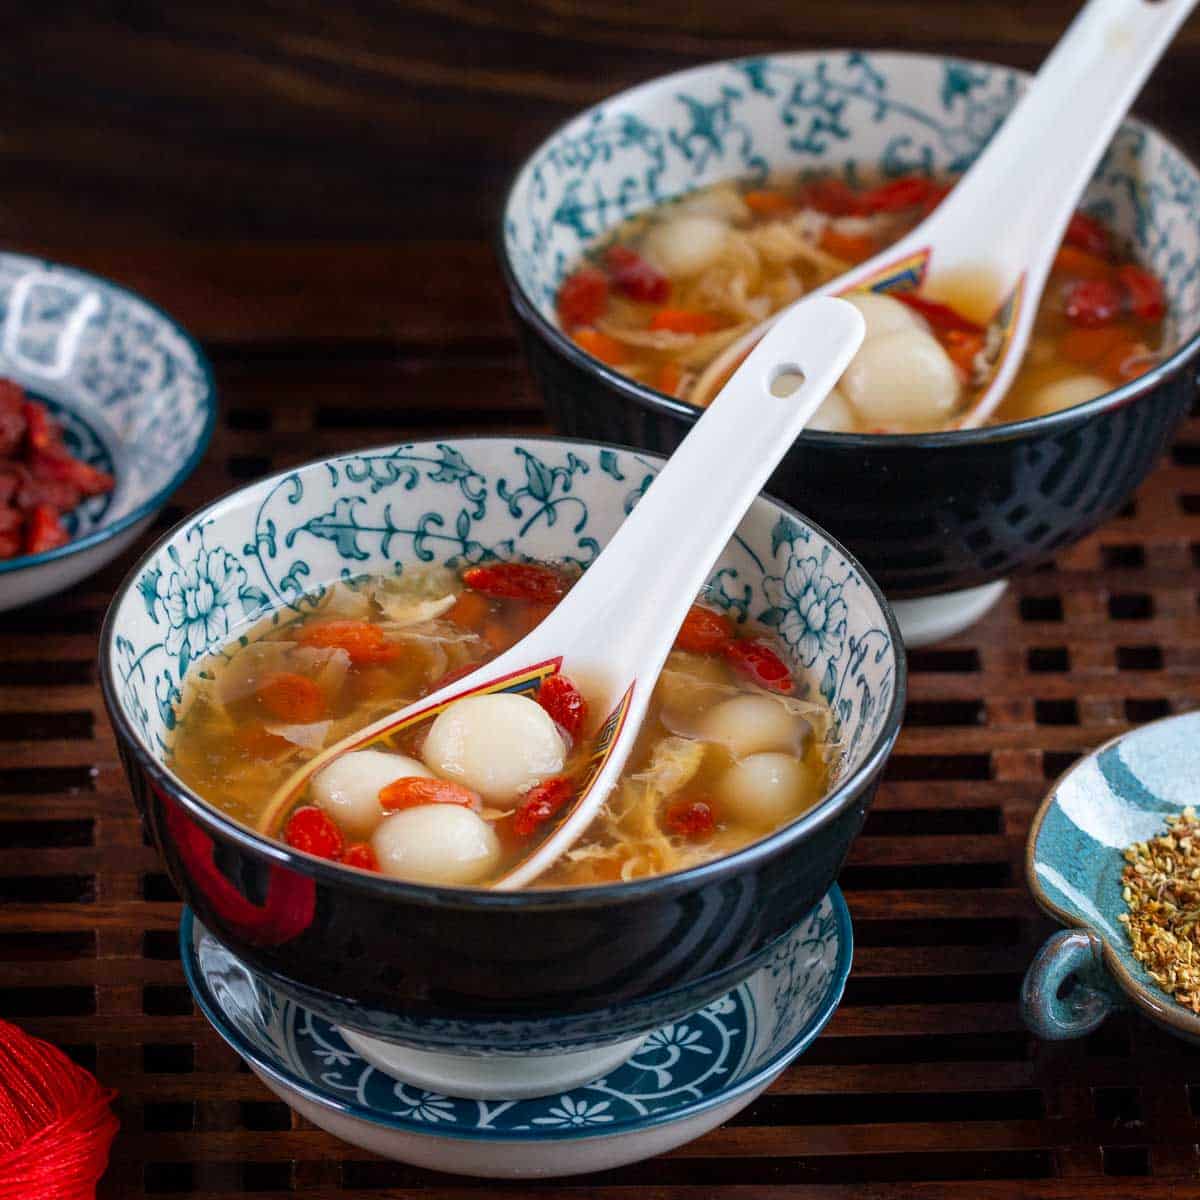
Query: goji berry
(1087, 234)
(634, 277)
(517, 581)
(362, 856)
(314, 831)
(582, 297)
(415, 791)
(757, 661)
(1143, 292)
(940, 316)
(292, 697)
(690, 818)
(541, 802)
(703, 631)
(1092, 302)
(563, 701)
(896, 195)
(44, 531)
(361, 640)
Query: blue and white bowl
(940, 520)
(688, 1076)
(1119, 794)
(133, 392)
(473, 971)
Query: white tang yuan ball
(498, 745)
(1066, 393)
(835, 415)
(881, 314)
(683, 246)
(348, 789)
(749, 724)
(765, 790)
(902, 377)
(436, 843)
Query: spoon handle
(699, 497)
(679, 528)
(1025, 185)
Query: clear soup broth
(670, 289)
(734, 745)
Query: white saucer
(684, 1079)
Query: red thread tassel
(56, 1126)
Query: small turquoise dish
(133, 392)
(1119, 794)
(688, 1076)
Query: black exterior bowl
(924, 514)
(473, 969)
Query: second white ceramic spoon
(615, 627)
(1002, 224)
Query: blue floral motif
(541, 483)
(430, 1107)
(853, 113)
(569, 1111)
(197, 600)
(808, 609)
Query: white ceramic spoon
(615, 627)
(1003, 222)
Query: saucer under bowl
(688, 1076)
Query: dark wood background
(312, 189)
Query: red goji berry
(1088, 234)
(582, 297)
(757, 661)
(362, 856)
(691, 818)
(563, 701)
(415, 791)
(1092, 302)
(314, 831)
(703, 631)
(634, 277)
(1143, 292)
(517, 581)
(541, 802)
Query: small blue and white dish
(941, 520)
(1119, 794)
(133, 392)
(686, 1078)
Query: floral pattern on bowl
(698, 1069)
(396, 507)
(134, 393)
(847, 111)
(1119, 794)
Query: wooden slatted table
(262, 172)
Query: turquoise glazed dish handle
(1054, 1017)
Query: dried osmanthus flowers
(1162, 890)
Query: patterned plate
(726, 1052)
(1119, 794)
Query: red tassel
(56, 1126)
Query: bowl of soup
(301, 608)
(650, 233)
